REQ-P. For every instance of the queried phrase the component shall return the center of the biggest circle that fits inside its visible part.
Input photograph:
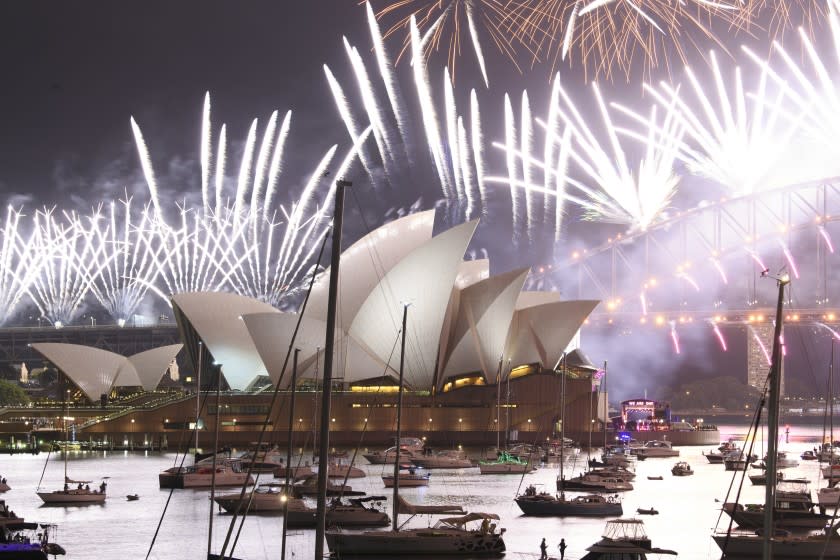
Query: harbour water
(689, 507)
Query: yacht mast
(290, 435)
(198, 396)
(329, 349)
(773, 419)
(399, 422)
(563, 424)
(606, 405)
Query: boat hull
(449, 542)
(503, 468)
(754, 518)
(413, 482)
(203, 480)
(751, 546)
(72, 497)
(550, 506)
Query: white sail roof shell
(532, 299)
(423, 279)
(365, 262)
(149, 367)
(92, 370)
(272, 335)
(217, 318)
(542, 333)
(484, 314)
(470, 272)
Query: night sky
(74, 72)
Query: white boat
(410, 447)
(737, 461)
(446, 459)
(266, 461)
(655, 449)
(828, 497)
(229, 472)
(784, 460)
(681, 469)
(506, 463)
(408, 478)
(81, 495)
(624, 538)
(269, 497)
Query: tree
(12, 395)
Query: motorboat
(298, 472)
(681, 468)
(808, 455)
(824, 544)
(617, 471)
(831, 472)
(594, 482)
(586, 505)
(409, 478)
(828, 497)
(354, 512)
(623, 538)
(342, 470)
(309, 487)
(228, 472)
(714, 457)
(447, 459)
(647, 511)
(270, 497)
(132, 497)
(783, 461)
(794, 509)
(450, 536)
(655, 449)
(410, 447)
(506, 463)
(737, 461)
(264, 461)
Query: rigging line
(274, 396)
(180, 469)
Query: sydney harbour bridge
(709, 270)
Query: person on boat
(87, 487)
(562, 547)
(66, 487)
(543, 550)
(79, 487)
(102, 487)
(485, 526)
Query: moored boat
(681, 468)
(656, 448)
(506, 463)
(228, 472)
(446, 459)
(408, 477)
(624, 538)
(586, 505)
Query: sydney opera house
(483, 361)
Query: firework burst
(19, 263)
(607, 188)
(452, 25)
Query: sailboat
(772, 541)
(81, 494)
(450, 536)
(591, 504)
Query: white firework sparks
(453, 139)
(250, 246)
(610, 190)
(815, 95)
(71, 261)
(129, 263)
(19, 263)
(739, 142)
